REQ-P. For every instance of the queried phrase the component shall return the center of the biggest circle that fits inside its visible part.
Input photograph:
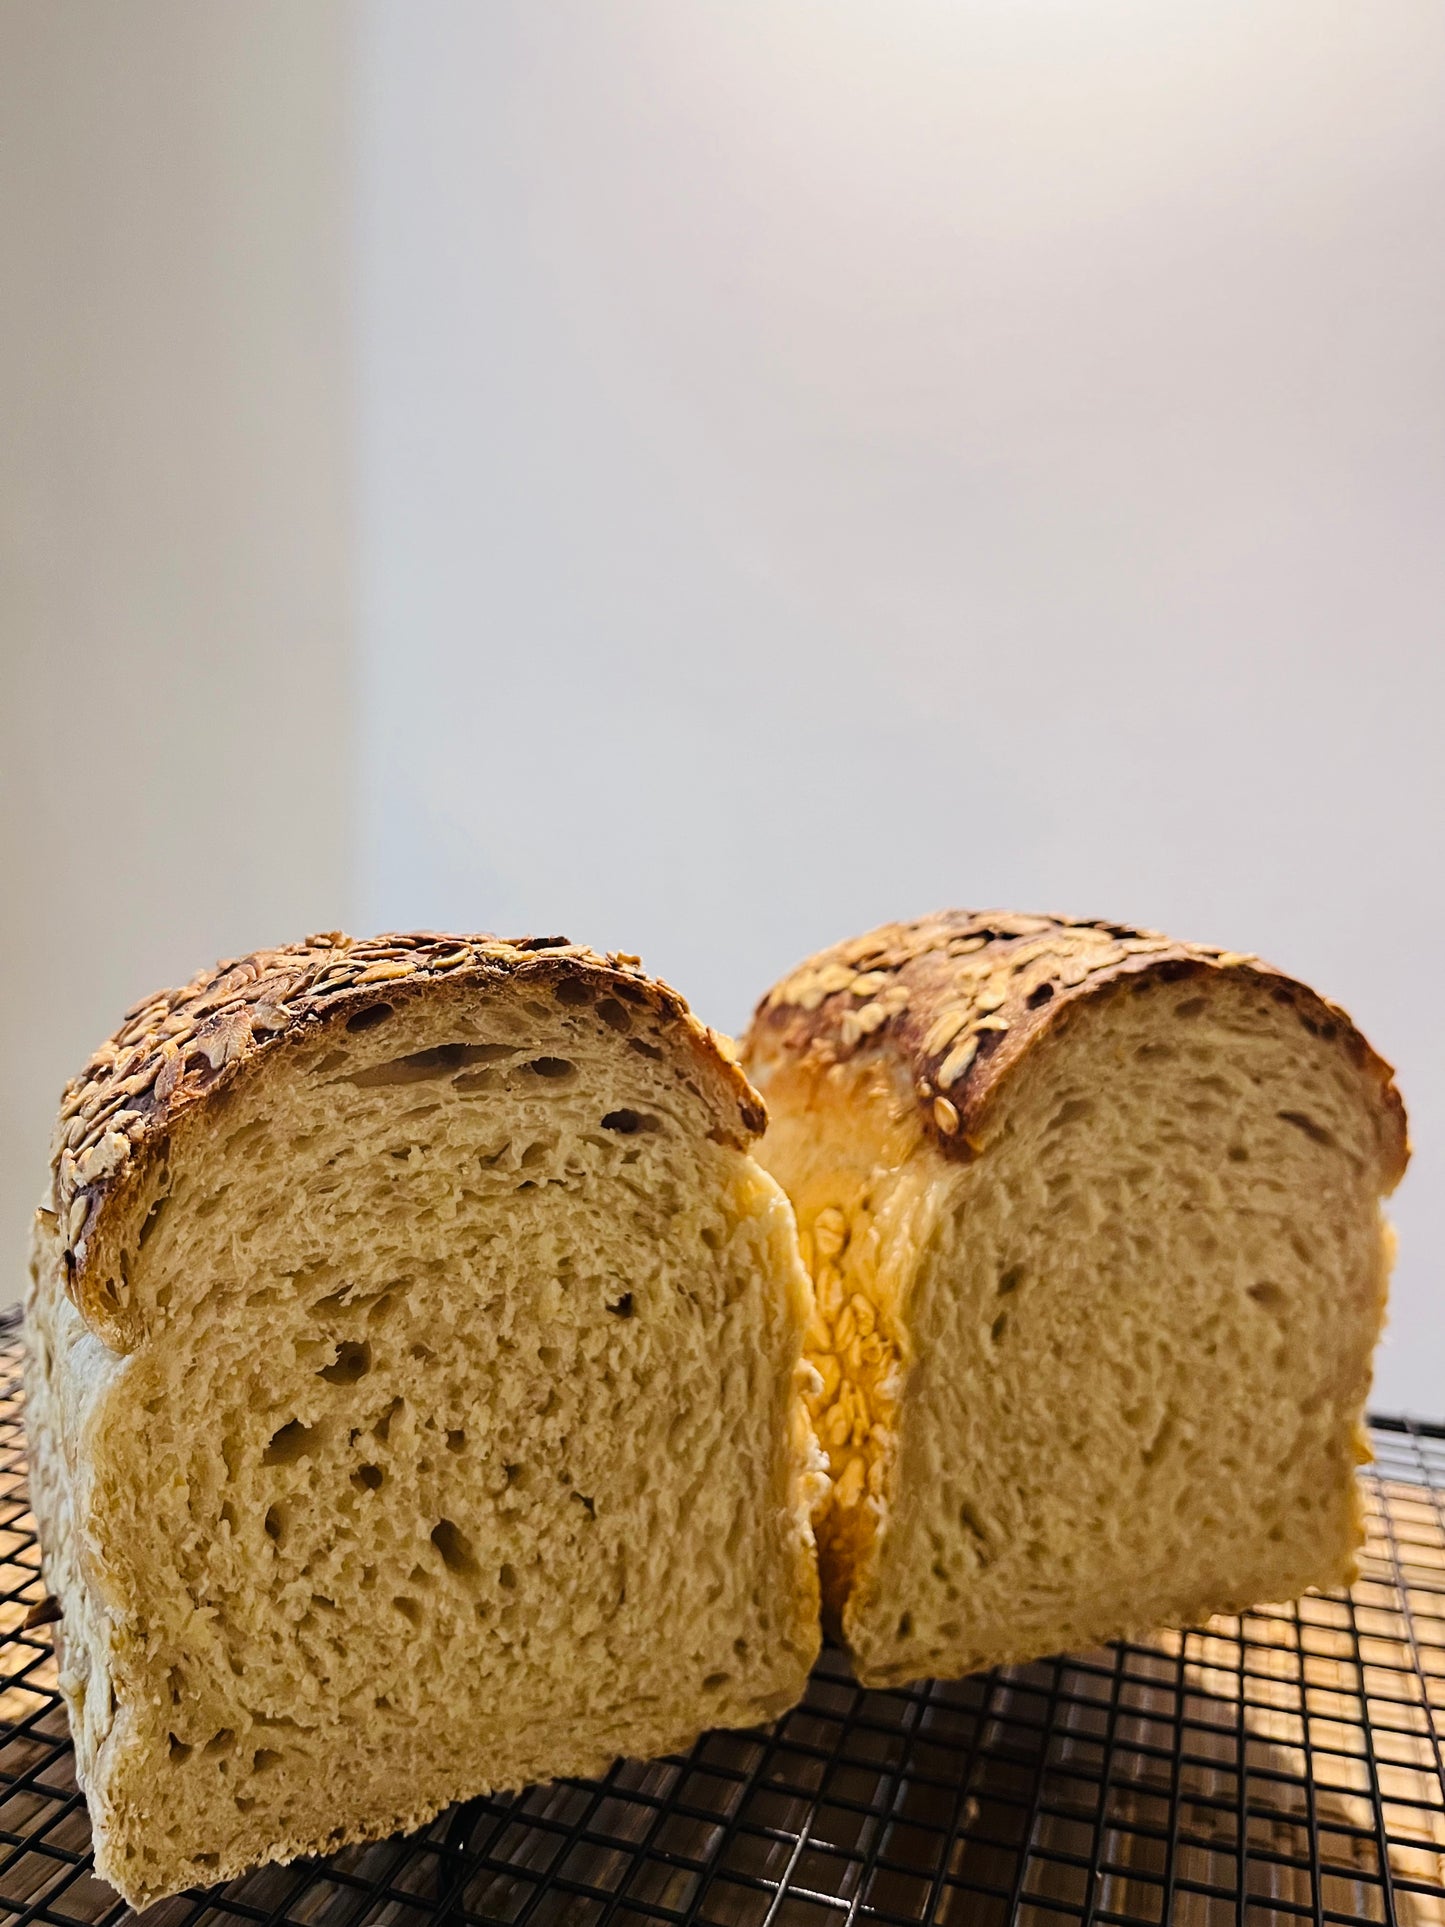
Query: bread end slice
(413, 1397)
(1094, 1225)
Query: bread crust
(958, 998)
(180, 1052)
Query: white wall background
(794, 465)
(176, 624)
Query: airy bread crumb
(444, 1432)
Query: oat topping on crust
(177, 1047)
(959, 995)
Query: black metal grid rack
(1277, 1768)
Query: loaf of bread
(1094, 1225)
(413, 1396)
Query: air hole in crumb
(590, 1504)
(369, 1018)
(715, 1682)
(244, 1802)
(1191, 1007)
(382, 1703)
(228, 1515)
(1268, 1295)
(569, 991)
(1071, 1111)
(456, 1440)
(1010, 1280)
(368, 1478)
(999, 1326)
(1238, 1154)
(905, 1626)
(629, 1123)
(552, 1066)
(205, 1860)
(266, 1758)
(455, 1548)
(353, 1361)
(1036, 1000)
(275, 1524)
(513, 1474)
(152, 1221)
(1315, 1132)
(613, 1015)
(712, 1238)
(180, 1752)
(221, 1742)
(622, 1307)
(422, 1351)
(408, 1608)
(1162, 1439)
(292, 1442)
(418, 1065)
(644, 1049)
(549, 1356)
(507, 1579)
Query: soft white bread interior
(1094, 1224)
(413, 1402)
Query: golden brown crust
(959, 997)
(180, 1050)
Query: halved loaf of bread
(1093, 1220)
(413, 1396)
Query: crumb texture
(459, 1445)
(1116, 1357)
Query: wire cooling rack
(1276, 1768)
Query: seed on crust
(385, 972)
(944, 1030)
(849, 1489)
(830, 1232)
(870, 982)
(956, 1063)
(945, 1115)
